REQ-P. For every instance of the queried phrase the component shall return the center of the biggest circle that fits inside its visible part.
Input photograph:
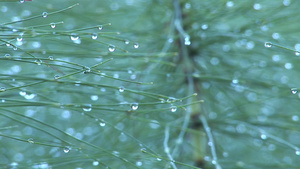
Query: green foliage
(149, 84)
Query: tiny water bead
(111, 48)
(229, 4)
(50, 58)
(30, 140)
(268, 44)
(121, 89)
(74, 37)
(263, 136)
(22, 93)
(94, 97)
(126, 42)
(22, 1)
(7, 56)
(297, 53)
(94, 36)
(56, 77)
(187, 41)
(100, 27)
(139, 163)
(102, 124)
(297, 152)
(38, 61)
(67, 149)
(294, 90)
(87, 107)
(295, 118)
(173, 108)
(2, 89)
(52, 25)
(44, 14)
(86, 70)
(95, 163)
(134, 106)
(136, 45)
(257, 6)
(19, 38)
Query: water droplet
(134, 106)
(74, 37)
(158, 159)
(294, 90)
(2, 89)
(38, 61)
(297, 152)
(139, 163)
(173, 108)
(171, 100)
(263, 136)
(136, 45)
(121, 89)
(95, 163)
(87, 107)
(45, 14)
(257, 6)
(102, 124)
(126, 42)
(30, 140)
(275, 35)
(286, 2)
(111, 48)
(204, 26)
(143, 150)
(52, 25)
(50, 58)
(29, 96)
(268, 44)
(67, 149)
(22, 93)
(297, 53)
(229, 4)
(100, 27)
(20, 38)
(86, 70)
(56, 76)
(7, 56)
(15, 48)
(295, 118)
(187, 40)
(94, 36)
(22, 1)
(94, 97)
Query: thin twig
(166, 147)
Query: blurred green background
(149, 84)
